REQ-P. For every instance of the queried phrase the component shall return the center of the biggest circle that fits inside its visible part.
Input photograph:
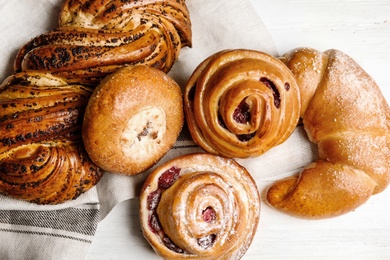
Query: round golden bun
(133, 118)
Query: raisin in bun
(132, 119)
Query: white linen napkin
(29, 231)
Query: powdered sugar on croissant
(348, 118)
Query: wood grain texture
(362, 30)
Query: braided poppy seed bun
(96, 38)
(133, 118)
(42, 158)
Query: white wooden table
(359, 28)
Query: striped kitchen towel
(46, 234)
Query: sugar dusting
(349, 119)
(225, 223)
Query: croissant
(42, 159)
(241, 103)
(200, 206)
(95, 38)
(346, 115)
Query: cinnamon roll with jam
(241, 103)
(200, 206)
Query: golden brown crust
(116, 14)
(241, 103)
(95, 38)
(323, 190)
(132, 119)
(200, 206)
(42, 158)
(348, 118)
(308, 66)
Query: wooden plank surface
(359, 28)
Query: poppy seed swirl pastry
(42, 157)
(200, 206)
(132, 119)
(240, 103)
(95, 38)
(347, 117)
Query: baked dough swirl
(42, 159)
(241, 103)
(95, 38)
(347, 116)
(200, 206)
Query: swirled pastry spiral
(200, 206)
(95, 38)
(348, 118)
(241, 103)
(42, 158)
